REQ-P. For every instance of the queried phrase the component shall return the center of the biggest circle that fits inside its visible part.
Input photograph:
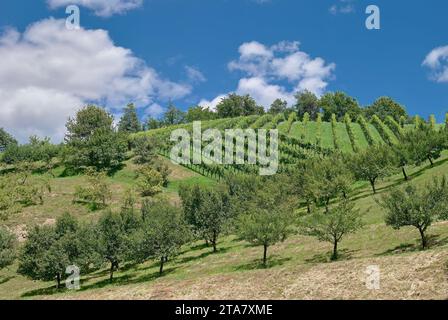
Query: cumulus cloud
(213, 103)
(49, 72)
(437, 62)
(279, 71)
(104, 8)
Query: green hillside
(298, 269)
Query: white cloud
(263, 92)
(343, 7)
(213, 103)
(104, 8)
(155, 110)
(49, 72)
(437, 62)
(194, 75)
(279, 71)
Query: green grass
(359, 135)
(197, 269)
(327, 135)
(343, 138)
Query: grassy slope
(299, 267)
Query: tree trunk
(162, 260)
(308, 207)
(112, 266)
(58, 279)
(404, 173)
(214, 242)
(335, 251)
(424, 239)
(430, 161)
(265, 253)
(372, 183)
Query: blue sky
(193, 51)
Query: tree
(8, 245)
(49, 250)
(152, 124)
(384, 107)
(207, 211)
(373, 163)
(6, 140)
(129, 122)
(410, 206)
(278, 106)
(173, 115)
(307, 102)
(161, 235)
(333, 225)
(199, 113)
(237, 106)
(403, 155)
(424, 144)
(91, 141)
(113, 241)
(145, 149)
(340, 104)
(332, 178)
(269, 218)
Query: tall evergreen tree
(129, 122)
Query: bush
(96, 193)
(382, 129)
(348, 125)
(319, 130)
(366, 130)
(8, 245)
(292, 117)
(394, 126)
(150, 181)
(334, 123)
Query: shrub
(334, 123)
(291, 119)
(348, 125)
(382, 129)
(366, 130)
(319, 130)
(8, 245)
(150, 181)
(394, 126)
(97, 192)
